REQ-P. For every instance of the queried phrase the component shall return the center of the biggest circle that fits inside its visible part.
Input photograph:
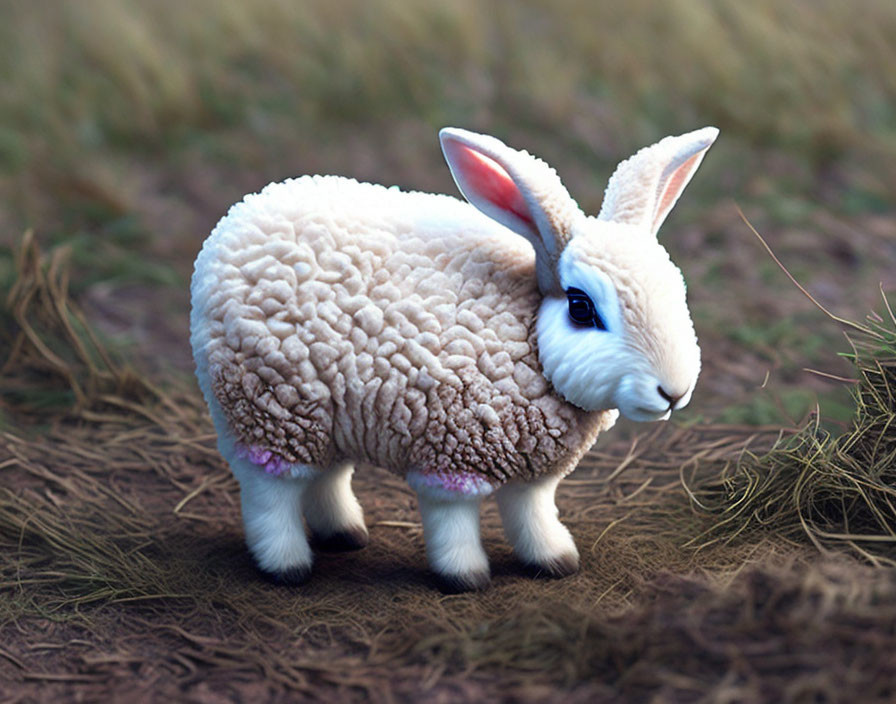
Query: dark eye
(581, 309)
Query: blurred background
(128, 128)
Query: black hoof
(561, 566)
(346, 540)
(289, 577)
(460, 583)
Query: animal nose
(669, 397)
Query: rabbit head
(613, 328)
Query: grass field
(709, 573)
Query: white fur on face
(649, 344)
(584, 364)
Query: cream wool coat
(336, 320)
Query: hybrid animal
(473, 348)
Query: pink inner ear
(673, 189)
(486, 179)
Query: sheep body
(470, 347)
(335, 320)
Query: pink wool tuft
(267, 460)
(464, 483)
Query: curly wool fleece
(338, 320)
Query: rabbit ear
(644, 188)
(516, 189)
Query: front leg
(539, 539)
(451, 532)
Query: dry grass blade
(835, 491)
(50, 340)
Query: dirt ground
(126, 578)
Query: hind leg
(539, 539)
(271, 505)
(335, 518)
(272, 518)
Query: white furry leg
(539, 539)
(335, 518)
(271, 505)
(451, 532)
(272, 516)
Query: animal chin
(643, 414)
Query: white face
(645, 363)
